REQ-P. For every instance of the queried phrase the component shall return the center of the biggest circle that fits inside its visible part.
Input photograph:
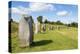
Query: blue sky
(53, 12)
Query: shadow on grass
(40, 43)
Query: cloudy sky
(50, 11)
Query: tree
(69, 25)
(39, 18)
(46, 21)
(59, 23)
(74, 24)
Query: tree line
(40, 18)
(73, 24)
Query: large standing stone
(25, 31)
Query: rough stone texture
(25, 31)
(43, 27)
(37, 27)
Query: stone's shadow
(40, 43)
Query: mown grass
(50, 40)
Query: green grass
(50, 40)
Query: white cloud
(33, 7)
(15, 10)
(24, 10)
(19, 10)
(41, 7)
(62, 13)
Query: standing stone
(58, 27)
(25, 31)
(49, 27)
(43, 27)
(52, 27)
(36, 28)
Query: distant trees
(46, 21)
(73, 24)
(57, 22)
(39, 18)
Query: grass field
(50, 40)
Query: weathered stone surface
(37, 28)
(43, 27)
(25, 31)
